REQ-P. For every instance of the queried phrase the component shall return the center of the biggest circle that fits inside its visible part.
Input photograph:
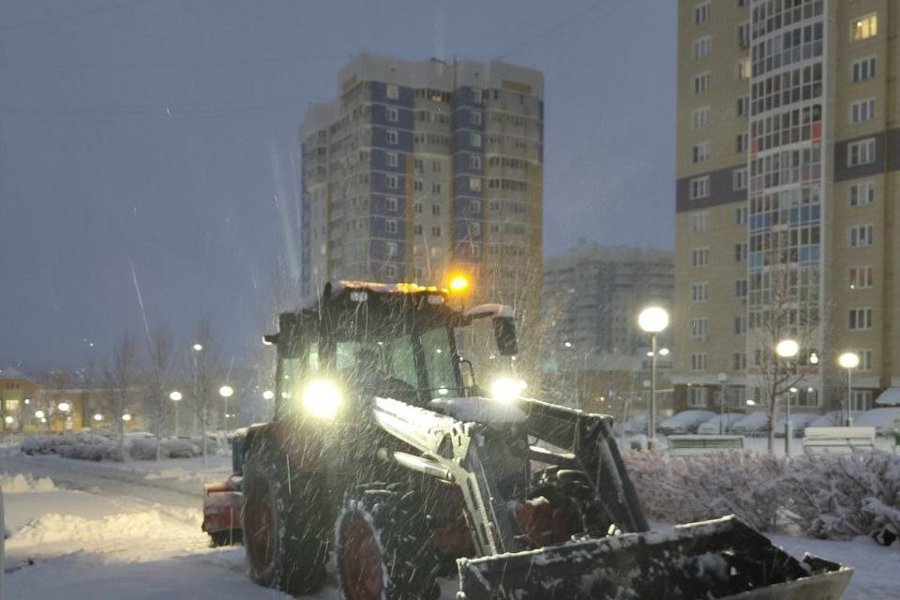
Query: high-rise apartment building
(420, 169)
(787, 197)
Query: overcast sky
(143, 145)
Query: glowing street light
(226, 391)
(268, 395)
(64, 407)
(849, 361)
(126, 417)
(787, 349)
(197, 347)
(175, 396)
(98, 417)
(653, 320)
(39, 414)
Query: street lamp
(652, 320)
(786, 349)
(849, 361)
(175, 396)
(723, 379)
(226, 391)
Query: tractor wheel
(384, 549)
(285, 534)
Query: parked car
(712, 426)
(752, 424)
(882, 419)
(830, 419)
(799, 423)
(686, 421)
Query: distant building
(788, 171)
(16, 392)
(591, 300)
(421, 169)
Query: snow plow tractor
(384, 453)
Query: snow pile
(84, 446)
(25, 483)
(145, 449)
(59, 528)
(828, 496)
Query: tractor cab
(363, 340)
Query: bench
(693, 445)
(846, 438)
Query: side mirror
(505, 335)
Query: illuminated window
(474, 184)
(392, 92)
(743, 68)
(864, 27)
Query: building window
(700, 83)
(436, 231)
(475, 162)
(743, 106)
(862, 235)
(863, 69)
(740, 288)
(862, 110)
(701, 13)
(864, 27)
(390, 204)
(743, 35)
(391, 159)
(390, 182)
(475, 118)
(861, 152)
(435, 188)
(390, 271)
(740, 143)
(418, 185)
(477, 95)
(865, 359)
(418, 208)
(740, 252)
(696, 396)
(475, 140)
(699, 187)
(701, 47)
(697, 327)
(742, 69)
(391, 136)
(699, 221)
(392, 114)
(391, 247)
(862, 193)
(700, 117)
(860, 318)
(698, 361)
(860, 277)
(390, 226)
(699, 257)
(435, 209)
(475, 207)
(700, 153)
(699, 291)
(740, 324)
(740, 215)
(417, 229)
(739, 361)
(739, 180)
(392, 92)
(474, 184)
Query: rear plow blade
(722, 558)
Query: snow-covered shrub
(842, 496)
(176, 448)
(145, 449)
(684, 489)
(84, 446)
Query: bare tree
(204, 368)
(156, 404)
(123, 379)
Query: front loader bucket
(722, 558)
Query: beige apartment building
(419, 170)
(788, 175)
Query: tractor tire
(285, 533)
(384, 548)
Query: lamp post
(195, 351)
(723, 378)
(652, 320)
(226, 392)
(849, 361)
(175, 396)
(786, 349)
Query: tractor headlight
(322, 399)
(506, 389)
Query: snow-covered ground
(84, 530)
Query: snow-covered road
(132, 531)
